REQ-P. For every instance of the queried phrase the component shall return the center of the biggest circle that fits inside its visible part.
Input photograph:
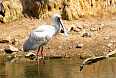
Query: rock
(67, 56)
(87, 34)
(14, 53)
(59, 47)
(30, 54)
(13, 10)
(79, 26)
(94, 29)
(76, 30)
(15, 42)
(109, 45)
(80, 45)
(70, 47)
(10, 48)
(110, 50)
(106, 38)
(70, 27)
(21, 49)
(100, 27)
(69, 9)
(36, 10)
(83, 56)
(5, 39)
(113, 41)
(1, 50)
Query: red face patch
(59, 18)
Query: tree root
(95, 59)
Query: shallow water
(57, 68)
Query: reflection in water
(39, 70)
(57, 68)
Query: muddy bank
(87, 37)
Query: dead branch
(95, 59)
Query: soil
(60, 45)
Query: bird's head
(57, 18)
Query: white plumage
(42, 35)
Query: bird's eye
(59, 18)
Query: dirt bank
(101, 39)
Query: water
(57, 68)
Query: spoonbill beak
(60, 20)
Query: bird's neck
(57, 28)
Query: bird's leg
(38, 54)
(42, 55)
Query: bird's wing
(36, 40)
(39, 37)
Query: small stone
(70, 47)
(1, 50)
(15, 42)
(101, 25)
(113, 41)
(4, 41)
(59, 47)
(80, 45)
(51, 50)
(10, 48)
(87, 34)
(67, 56)
(93, 29)
(30, 54)
(106, 38)
(21, 49)
(110, 50)
(14, 53)
(77, 30)
(83, 56)
(109, 45)
(79, 26)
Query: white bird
(2, 9)
(42, 35)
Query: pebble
(110, 50)
(4, 41)
(109, 45)
(87, 34)
(80, 45)
(15, 42)
(101, 25)
(113, 41)
(30, 54)
(77, 30)
(70, 47)
(21, 49)
(1, 50)
(79, 26)
(10, 48)
(67, 56)
(59, 47)
(106, 38)
(14, 53)
(93, 29)
(83, 56)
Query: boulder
(13, 10)
(10, 48)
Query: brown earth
(60, 45)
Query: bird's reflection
(40, 71)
